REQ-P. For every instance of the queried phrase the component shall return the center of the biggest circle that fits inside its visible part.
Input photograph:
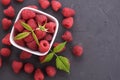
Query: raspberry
(32, 45)
(41, 58)
(28, 14)
(40, 34)
(18, 26)
(6, 40)
(5, 52)
(5, 2)
(17, 66)
(6, 23)
(44, 4)
(25, 55)
(20, 1)
(28, 68)
(56, 5)
(68, 22)
(20, 42)
(68, 12)
(0, 62)
(32, 24)
(10, 12)
(51, 27)
(44, 46)
(29, 38)
(51, 71)
(41, 19)
(33, 6)
(77, 50)
(67, 36)
(38, 75)
(48, 37)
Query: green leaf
(35, 38)
(26, 26)
(21, 35)
(48, 58)
(59, 47)
(62, 63)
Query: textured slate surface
(96, 28)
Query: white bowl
(25, 48)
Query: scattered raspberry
(20, 42)
(51, 27)
(56, 5)
(25, 55)
(77, 50)
(6, 23)
(51, 71)
(6, 40)
(32, 24)
(5, 2)
(67, 36)
(29, 38)
(48, 37)
(10, 12)
(18, 26)
(33, 6)
(41, 19)
(5, 52)
(41, 58)
(17, 66)
(44, 4)
(38, 75)
(44, 46)
(40, 34)
(28, 68)
(32, 45)
(68, 12)
(20, 1)
(0, 62)
(68, 22)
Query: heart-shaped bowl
(25, 48)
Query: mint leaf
(59, 47)
(35, 38)
(26, 26)
(62, 63)
(48, 58)
(21, 35)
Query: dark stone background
(96, 28)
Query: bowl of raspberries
(34, 31)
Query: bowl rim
(26, 49)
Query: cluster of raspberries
(44, 38)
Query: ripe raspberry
(67, 36)
(6, 23)
(41, 19)
(68, 22)
(6, 40)
(20, 42)
(0, 62)
(38, 75)
(77, 50)
(10, 12)
(20, 1)
(5, 2)
(32, 24)
(33, 6)
(68, 12)
(51, 27)
(44, 4)
(44, 46)
(6, 52)
(18, 26)
(51, 71)
(17, 66)
(29, 38)
(56, 5)
(41, 58)
(40, 34)
(28, 68)
(48, 37)
(28, 14)
(32, 45)
(25, 55)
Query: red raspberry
(40, 34)
(32, 45)
(17, 66)
(6, 23)
(0, 62)
(77, 50)
(20, 1)
(68, 22)
(44, 4)
(68, 12)
(6, 52)
(10, 12)
(25, 55)
(33, 6)
(20, 42)
(48, 37)
(32, 24)
(28, 68)
(28, 14)
(38, 75)
(56, 5)
(67, 36)
(5, 2)
(51, 27)
(29, 38)
(41, 58)
(51, 71)
(41, 19)
(18, 26)
(44, 46)
(6, 40)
